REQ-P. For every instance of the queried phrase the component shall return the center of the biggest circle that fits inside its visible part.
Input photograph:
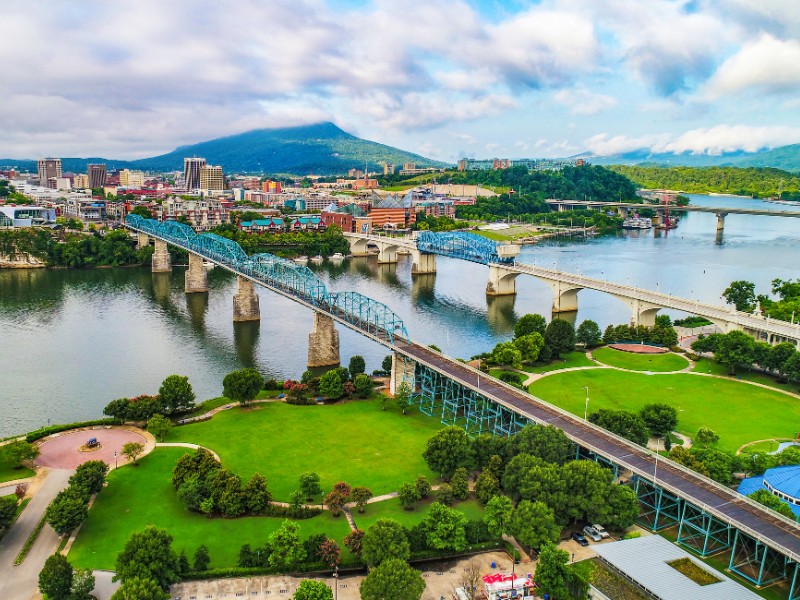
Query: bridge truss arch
(463, 245)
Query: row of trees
(309, 243)
(656, 419)
(662, 333)
(742, 294)
(175, 396)
(737, 350)
(70, 507)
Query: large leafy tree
(778, 357)
(310, 589)
(736, 350)
(530, 478)
(356, 366)
(138, 588)
(360, 495)
(148, 554)
(309, 485)
(331, 386)
(257, 496)
(529, 345)
(242, 385)
(588, 484)
(67, 511)
(742, 294)
(18, 452)
(159, 426)
(626, 424)
(534, 523)
(176, 393)
(90, 476)
(589, 334)
(8, 510)
(546, 442)
(393, 579)
(530, 323)
(447, 450)
(55, 578)
(770, 501)
(506, 353)
(498, 515)
(551, 571)
(385, 539)
(559, 337)
(445, 528)
(660, 418)
(623, 507)
(287, 549)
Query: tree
(486, 487)
(159, 426)
(360, 495)
(530, 323)
(530, 478)
(588, 486)
(353, 541)
(148, 554)
(485, 447)
(460, 483)
(90, 476)
(445, 494)
(559, 337)
(448, 449)
(445, 527)
(402, 396)
(705, 437)
(132, 450)
(67, 511)
(386, 364)
(497, 517)
(363, 385)
(183, 563)
(8, 510)
(138, 588)
(663, 321)
(393, 579)
(423, 487)
(309, 485)
(331, 386)
(623, 507)
(736, 350)
(534, 523)
(506, 353)
(309, 589)
(243, 385)
(55, 578)
(18, 452)
(626, 424)
(742, 294)
(176, 393)
(589, 334)
(546, 442)
(779, 354)
(357, 366)
(287, 550)
(335, 502)
(408, 495)
(551, 572)
(83, 583)
(257, 496)
(792, 367)
(201, 559)
(530, 346)
(660, 418)
(385, 539)
(764, 497)
(330, 553)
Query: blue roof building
(783, 482)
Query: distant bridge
(763, 546)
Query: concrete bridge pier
(196, 275)
(403, 369)
(387, 254)
(142, 241)
(502, 282)
(161, 261)
(323, 343)
(642, 313)
(422, 262)
(721, 221)
(358, 247)
(245, 301)
(622, 211)
(565, 296)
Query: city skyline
(445, 80)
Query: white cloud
(584, 102)
(767, 63)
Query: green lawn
(391, 509)
(706, 365)
(355, 441)
(573, 359)
(640, 362)
(738, 412)
(143, 495)
(9, 473)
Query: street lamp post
(115, 459)
(586, 407)
(655, 469)
(336, 582)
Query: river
(73, 340)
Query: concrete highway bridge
(760, 545)
(644, 304)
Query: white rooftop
(644, 560)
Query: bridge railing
(371, 316)
(463, 245)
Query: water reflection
(197, 307)
(245, 340)
(500, 314)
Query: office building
(48, 168)
(131, 179)
(191, 172)
(80, 182)
(211, 178)
(97, 175)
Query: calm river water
(71, 341)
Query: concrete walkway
(187, 445)
(22, 582)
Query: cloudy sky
(445, 78)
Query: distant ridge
(321, 149)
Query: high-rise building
(131, 179)
(80, 182)
(48, 167)
(97, 175)
(191, 172)
(211, 178)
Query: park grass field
(657, 363)
(139, 496)
(706, 365)
(573, 359)
(738, 412)
(391, 509)
(354, 441)
(9, 473)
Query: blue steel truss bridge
(760, 545)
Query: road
(22, 582)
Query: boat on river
(301, 260)
(637, 223)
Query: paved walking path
(187, 445)
(21, 582)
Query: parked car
(578, 537)
(590, 531)
(601, 530)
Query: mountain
(786, 158)
(321, 149)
